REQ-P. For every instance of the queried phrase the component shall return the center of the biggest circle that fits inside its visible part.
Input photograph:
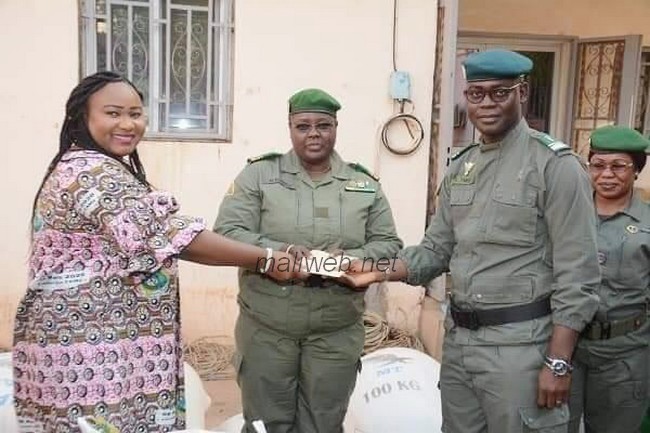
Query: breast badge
(466, 176)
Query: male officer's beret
(618, 138)
(495, 65)
(313, 101)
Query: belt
(315, 281)
(605, 330)
(474, 319)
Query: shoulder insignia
(548, 141)
(263, 157)
(231, 189)
(463, 150)
(360, 168)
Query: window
(642, 119)
(177, 52)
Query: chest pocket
(513, 214)
(461, 198)
(635, 256)
(279, 210)
(355, 211)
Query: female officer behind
(612, 358)
(299, 344)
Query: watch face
(560, 368)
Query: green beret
(313, 101)
(618, 139)
(495, 65)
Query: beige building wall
(342, 46)
(39, 68)
(583, 18)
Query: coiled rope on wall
(379, 334)
(409, 121)
(211, 357)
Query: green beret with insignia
(313, 101)
(614, 138)
(495, 65)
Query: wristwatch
(560, 367)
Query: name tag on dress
(64, 280)
(165, 416)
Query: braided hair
(74, 131)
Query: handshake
(299, 262)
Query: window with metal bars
(177, 52)
(642, 118)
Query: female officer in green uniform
(299, 344)
(611, 361)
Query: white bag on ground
(396, 391)
(233, 424)
(7, 413)
(197, 401)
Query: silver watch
(560, 367)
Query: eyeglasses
(475, 95)
(320, 127)
(617, 167)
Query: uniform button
(479, 296)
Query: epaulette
(358, 167)
(556, 146)
(264, 156)
(463, 150)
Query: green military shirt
(515, 223)
(274, 202)
(624, 257)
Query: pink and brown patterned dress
(98, 331)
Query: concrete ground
(226, 401)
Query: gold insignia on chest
(466, 176)
(468, 167)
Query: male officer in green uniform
(610, 380)
(515, 227)
(299, 344)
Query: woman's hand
(284, 267)
(298, 252)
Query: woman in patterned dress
(98, 331)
